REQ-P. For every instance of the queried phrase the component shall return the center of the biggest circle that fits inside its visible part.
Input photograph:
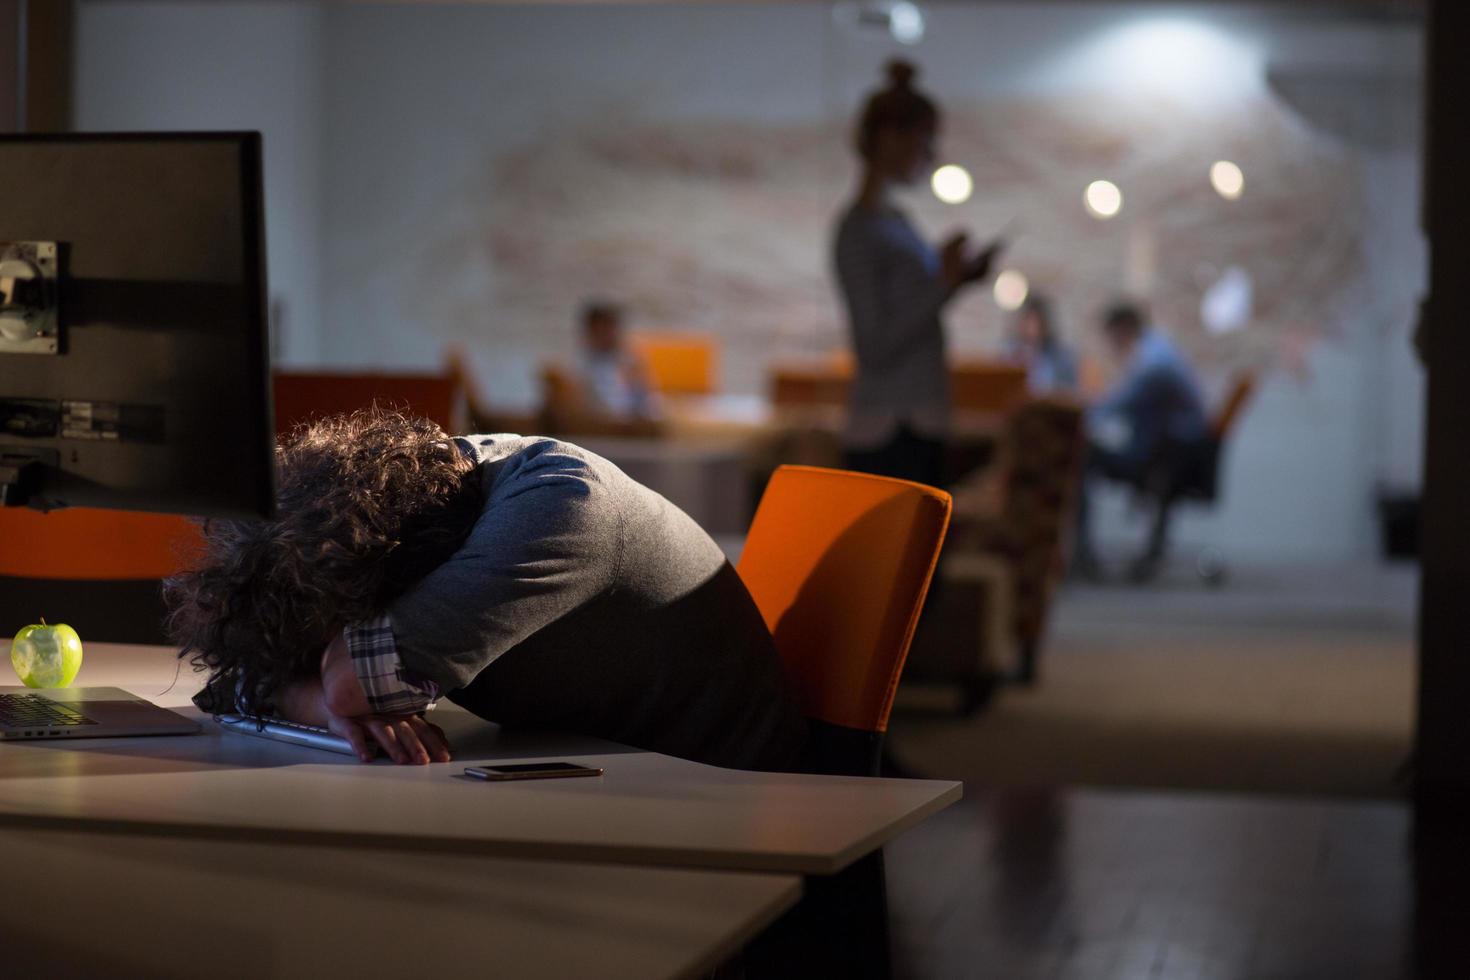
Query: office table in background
(648, 809)
(706, 478)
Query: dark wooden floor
(1099, 885)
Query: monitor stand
(20, 473)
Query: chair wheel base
(1211, 568)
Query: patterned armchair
(1005, 555)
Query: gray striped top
(891, 284)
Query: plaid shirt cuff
(391, 689)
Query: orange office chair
(679, 363)
(98, 571)
(838, 564)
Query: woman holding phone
(895, 286)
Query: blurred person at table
(1050, 367)
(895, 286)
(614, 377)
(1151, 422)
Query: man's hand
(407, 739)
(336, 701)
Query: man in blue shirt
(1149, 427)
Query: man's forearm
(304, 702)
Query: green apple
(46, 656)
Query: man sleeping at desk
(527, 580)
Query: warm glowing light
(1103, 199)
(1010, 290)
(1227, 179)
(906, 23)
(952, 184)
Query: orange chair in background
(839, 564)
(301, 396)
(82, 543)
(680, 363)
(98, 571)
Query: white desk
(648, 809)
(120, 906)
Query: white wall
(422, 102)
(382, 122)
(1314, 451)
(182, 66)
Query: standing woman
(895, 285)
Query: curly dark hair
(367, 504)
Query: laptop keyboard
(36, 711)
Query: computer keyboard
(37, 711)
(288, 731)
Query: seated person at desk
(615, 378)
(1050, 366)
(1152, 418)
(527, 580)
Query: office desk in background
(648, 809)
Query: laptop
(84, 712)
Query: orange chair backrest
(1233, 405)
(987, 386)
(301, 396)
(81, 543)
(839, 564)
(680, 363)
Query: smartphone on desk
(530, 770)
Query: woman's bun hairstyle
(901, 74)
(897, 106)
